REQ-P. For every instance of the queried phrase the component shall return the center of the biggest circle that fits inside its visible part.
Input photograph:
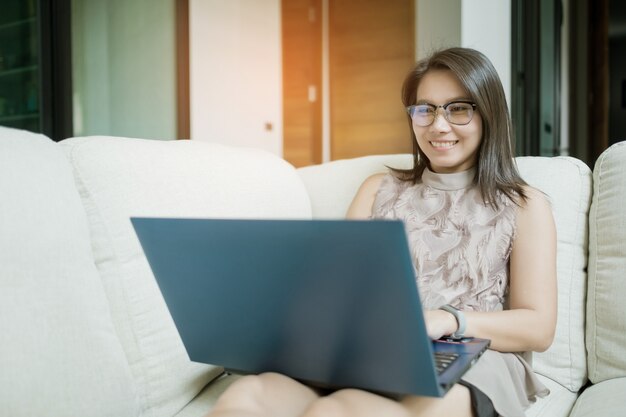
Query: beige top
(459, 245)
(460, 248)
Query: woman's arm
(529, 324)
(361, 206)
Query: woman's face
(449, 147)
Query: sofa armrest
(606, 310)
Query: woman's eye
(423, 110)
(458, 108)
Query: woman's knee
(245, 392)
(326, 407)
(254, 385)
(353, 402)
(266, 393)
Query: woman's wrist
(457, 322)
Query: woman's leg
(276, 395)
(457, 402)
(352, 402)
(268, 394)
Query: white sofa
(84, 330)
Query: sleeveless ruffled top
(460, 245)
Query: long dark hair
(496, 169)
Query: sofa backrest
(120, 177)
(332, 186)
(59, 352)
(606, 306)
(567, 182)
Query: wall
(486, 26)
(124, 77)
(124, 63)
(438, 25)
(235, 72)
(235, 54)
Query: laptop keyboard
(443, 360)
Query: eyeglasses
(455, 112)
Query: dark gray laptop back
(331, 303)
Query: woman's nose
(440, 123)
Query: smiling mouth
(444, 145)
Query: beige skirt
(508, 380)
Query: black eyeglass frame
(445, 111)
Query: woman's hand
(439, 323)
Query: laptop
(331, 303)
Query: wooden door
(372, 47)
(302, 75)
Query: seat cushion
(205, 401)
(567, 183)
(120, 177)
(59, 351)
(606, 309)
(558, 404)
(605, 399)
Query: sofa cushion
(332, 186)
(118, 178)
(605, 399)
(606, 309)
(567, 182)
(59, 352)
(558, 404)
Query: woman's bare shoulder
(536, 208)
(535, 198)
(373, 181)
(361, 206)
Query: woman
(484, 248)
